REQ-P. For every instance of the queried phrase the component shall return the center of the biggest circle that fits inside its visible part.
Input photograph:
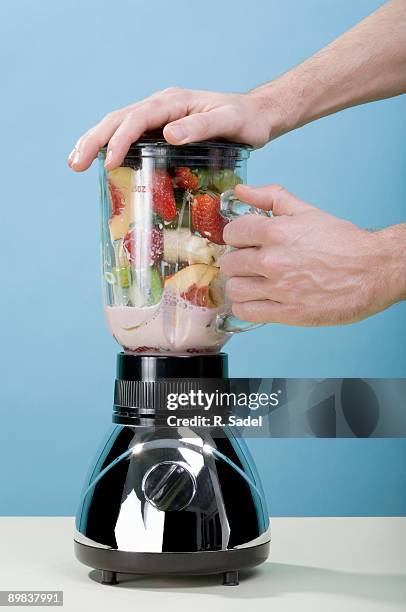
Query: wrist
(277, 108)
(287, 102)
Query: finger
(88, 145)
(242, 262)
(269, 262)
(271, 197)
(267, 311)
(246, 289)
(151, 115)
(219, 122)
(248, 231)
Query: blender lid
(155, 138)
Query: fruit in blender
(222, 180)
(143, 241)
(146, 288)
(155, 286)
(185, 179)
(120, 183)
(219, 180)
(206, 217)
(163, 197)
(181, 245)
(122, 276)
(193, 284)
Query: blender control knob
(169, 486)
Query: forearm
(392, 266)
(366, 63)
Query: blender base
(226, 562)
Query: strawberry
(116, 198)
(196, 295)
(206, 217)
(146, 349)
(155, 241)
(185, 179)
(162, 195)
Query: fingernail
(70, 156)
(109, 157)
(75, 157)
(177, 132)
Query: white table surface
(316, 564)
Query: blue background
(64, 65)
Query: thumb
(271, 197)
(219, 122)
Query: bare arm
(366, 63)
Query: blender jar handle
(231, 208)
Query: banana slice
(182, 245)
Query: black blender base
(229, 578)
(109, 577)
(225, 562)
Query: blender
(170, 500)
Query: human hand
(307, 267)
(187, 116)
(364, 64)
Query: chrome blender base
(226, 562)
(190, 494)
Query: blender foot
(109, 577)
(230, 578)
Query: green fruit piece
(123, 276)
(155, 287)
(204, 177)
(146, 288)
(222, 180)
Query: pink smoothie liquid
(174, 325)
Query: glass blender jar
(163, 215)
(163, 499)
